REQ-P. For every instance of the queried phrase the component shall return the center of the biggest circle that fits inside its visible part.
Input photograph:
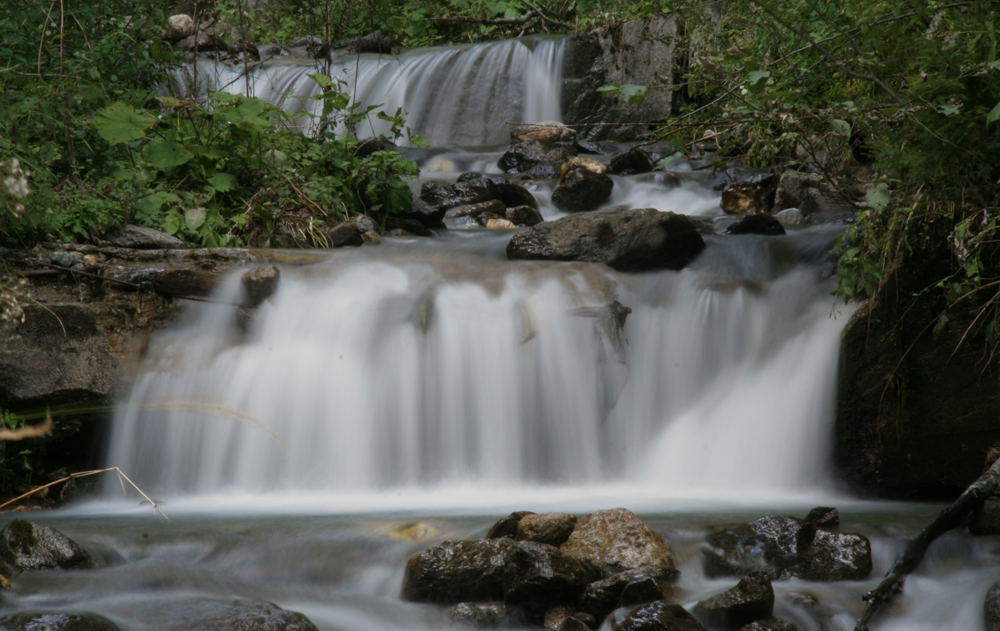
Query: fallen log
(954, 516)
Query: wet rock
(345, 234)
(785, 548)
(540, 573)
(370, 238)
(524, 216)
(412, 226)
(585, 145)
(757, 224)
(217, 615)
(242, 52)
(260, 283)
(991, 608)
(631, 587)
(631, 162)
(524, 155)
(545, 131)
(751, 195)
(986, 519)
(459, 193)
(615, 540)
(582, 190)
(811, 194)
(25, 546)
(472, 210)
(770, 624)
(499, 223)
(541, 172)
(660, 616)
(632, 240)
(427, 215)
(576, 162)
(57, 355)
(479, 615)
(179, 26)
(752, 599)
(141, 237)
(513, 195)
(57, 621)
(506, 527)
(551, 528)
(456, 571)
(561, 619)
(790, 217)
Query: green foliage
(630, 93)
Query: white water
(462, 95)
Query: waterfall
(462, 95)
(414, 367)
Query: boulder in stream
(786, 548)
(631, 587)
(581, 189)
(551, 528)
(538, 573)
(456, 571)
(612, 541)
(55, 621)
(660, 616)
(750, 600)
(629, 241)
(25, 546)
(524, 155)
(631, 162)
(524, 216)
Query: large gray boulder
(629, 241)
(57, 355)
(25, 546)
(612, 541)
(457, 571)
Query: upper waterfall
(457, 95)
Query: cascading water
(461, 95)
(426, 387)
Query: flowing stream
(431, 382)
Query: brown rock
(616, 540)
(551, 528)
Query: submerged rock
(786, 548)
(56, 621)
(456, 571)
(25, 546)
(632, 240)
(660, 616)
(750, 600)
(615, 540)
(218, 615)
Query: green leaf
(195, 217)
(396, 197)
(841, 127)
(151, 204)
(167, 153)
(878, 197)
(118, 123)
(993, 115)
(321, 79)
(757, 79)
(630, 93)
(222, 182)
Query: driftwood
(952, 517)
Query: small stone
(790, 217)
(180, 26)
(506, 527)
(577, 162)
(524, 216)
(345, 234)
(260, 283)
(498, 223)
(370, 238)
(545, 131)
(472, 210)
